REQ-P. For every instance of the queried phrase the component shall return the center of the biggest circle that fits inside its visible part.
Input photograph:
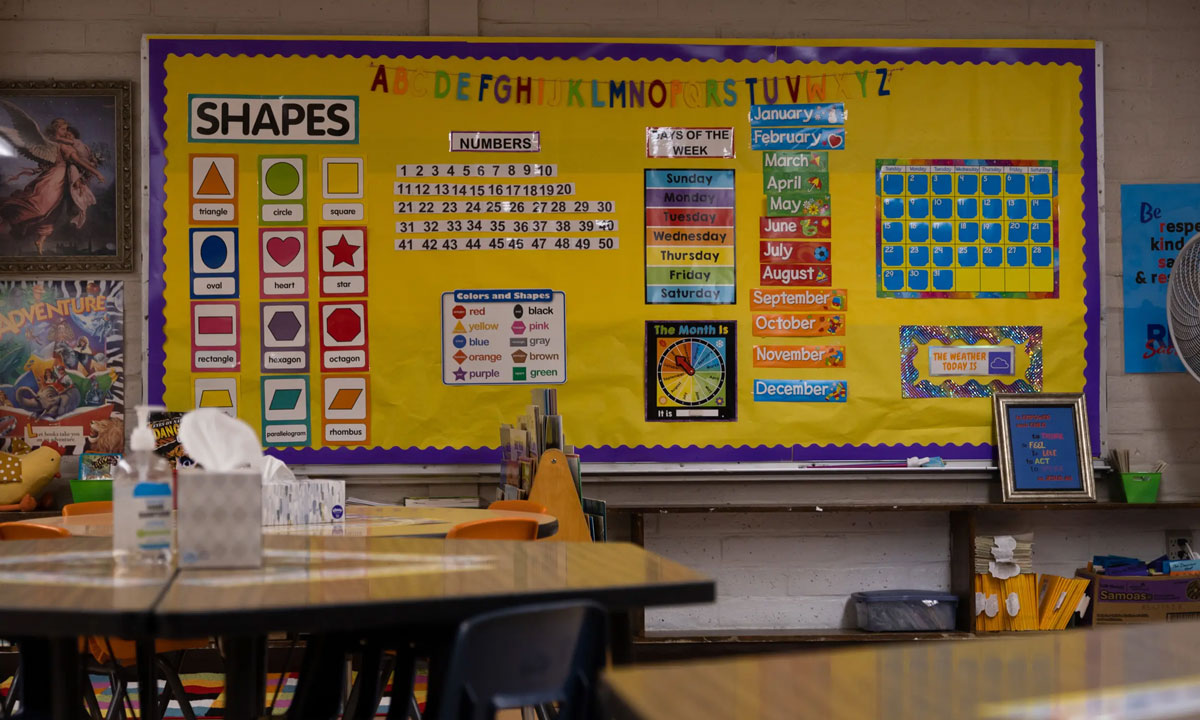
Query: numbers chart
(491, 212)
(966, 228)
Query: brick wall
(775, 570)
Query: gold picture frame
(66, 176)
(1044, 447)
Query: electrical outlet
(1178, 544)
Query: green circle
(282, 178)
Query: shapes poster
(62, 364)
(359, 245)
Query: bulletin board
(371, 248)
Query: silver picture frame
(1001, 404)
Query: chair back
(31, 531)
(495, 529)
(93, 507)
(523, 656)
(528, 506)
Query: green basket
(90, 490)
(1141, 487)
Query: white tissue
(980, 601)
(218, 442)
(991, 606)
(275, 470)
(1082, 607)
(1006, 542)
(1012, 604)
(1003, 570)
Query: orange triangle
(213, 183)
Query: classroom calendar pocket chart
(369, 248)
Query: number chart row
(484, 189)
(469, 170)
(504, 225)
(516, 207)
(509, 243)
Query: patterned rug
(207, 694)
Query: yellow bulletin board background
(946, 100)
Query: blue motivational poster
(1156, 221)
(1045, 450)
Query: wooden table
(346, 591)
(360, 521)
(54, 591)
(1143, 671)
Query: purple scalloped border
(1084, 58)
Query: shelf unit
(962, 528)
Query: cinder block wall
(788, 570)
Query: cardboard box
(219, 520)
(303, 502)
(1163, 598)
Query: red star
(343, 252)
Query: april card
(66, 177)
(1044, 448)
(62, 357)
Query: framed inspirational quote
(1044, 448)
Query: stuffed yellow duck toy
(22, 477)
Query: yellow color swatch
(341, 178)
(215, 399)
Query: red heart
(283, 250)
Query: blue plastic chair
(526, 656)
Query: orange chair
(528, 506)
(31, 531)
(495, 529)
(87, 508)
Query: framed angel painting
(66, 177)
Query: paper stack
(1006, 596)
(1060, 597)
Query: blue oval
(460, 341)
(337, 512)
(213, 251)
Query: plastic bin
(905, 610)
(1140, 487)
(90, 490)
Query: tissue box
(218, 523)
(303, 502)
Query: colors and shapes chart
(967, 228)
(690, 249)
(504, 337)
(691, 371)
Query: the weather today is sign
(972, 360)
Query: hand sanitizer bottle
(142, 530)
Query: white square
(214, 178)
(298, 411)
(349, 394)
(299, 327)
(214, 252)
(342, 335)
(215, 392)
(215, 325)
(283, 251)
(341, 161)
(281, 183)
(343, 250)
